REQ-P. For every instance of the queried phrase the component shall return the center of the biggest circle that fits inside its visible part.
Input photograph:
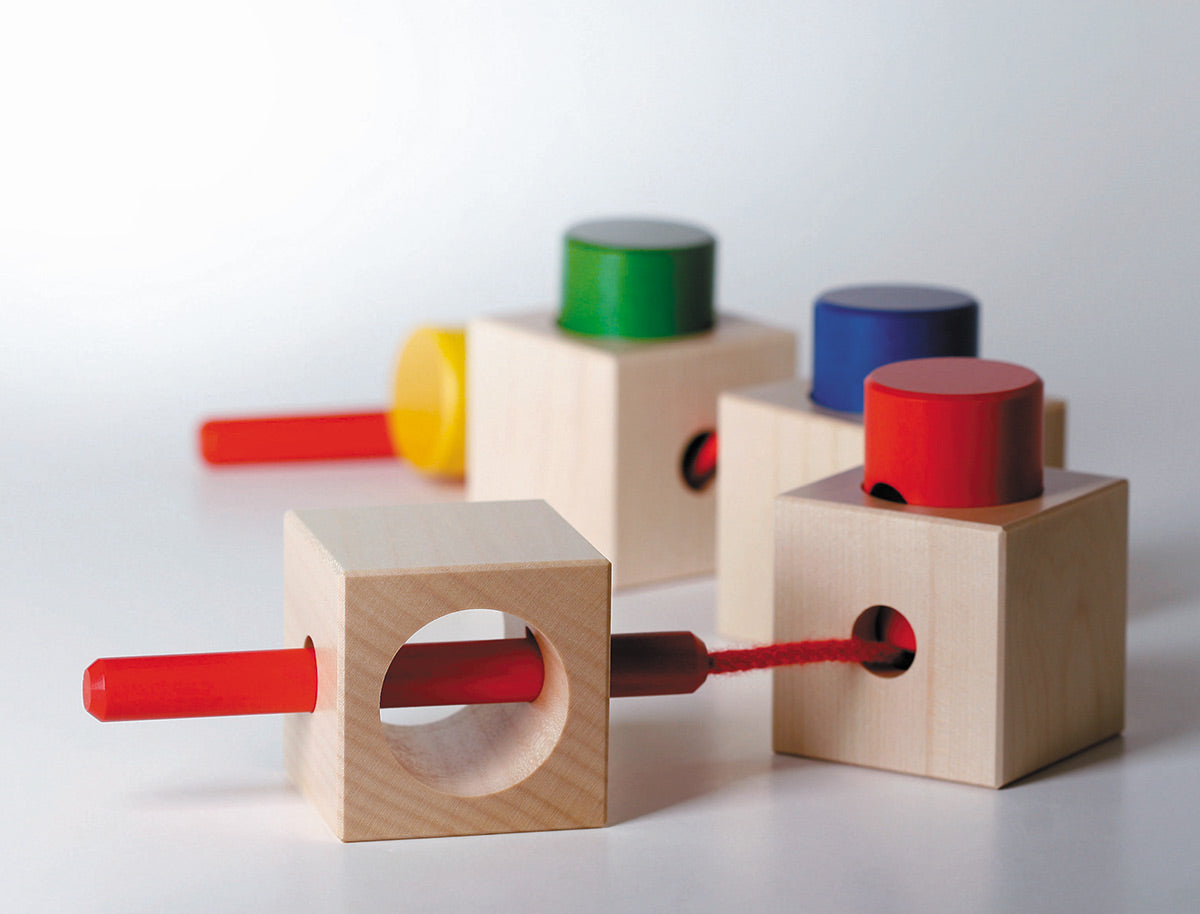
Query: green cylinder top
(637, 278)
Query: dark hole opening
(883, 624)
(887, 493)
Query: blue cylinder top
(856, 329)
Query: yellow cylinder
(427, 421)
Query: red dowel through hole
(699, 461)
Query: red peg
(201, 685)
(435, 673)
(273, 439)
(463, 672)
(953, 432)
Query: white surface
(247, 206)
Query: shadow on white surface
(1093, 757)
(217, 793)
(1164, 573)
(656, 765)
(1161, 699)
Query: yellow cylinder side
(427, 420)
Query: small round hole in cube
(884, 625)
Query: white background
(245, 206)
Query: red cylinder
(201, 685)
(463, 673)
(440, 673)
(661, 663)
(953, 432)
(271, 439)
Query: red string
(792, 653)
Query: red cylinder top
(953, 432)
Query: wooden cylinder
(953, 432)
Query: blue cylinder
(856, 329)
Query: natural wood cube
(360, 582)
(773, 438)
(598, 427)
(1018, 612)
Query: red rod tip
(93, 691)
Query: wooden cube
(1018, 612)
(598, 426)
(773, 438)
(360, 582)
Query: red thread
(792, 653)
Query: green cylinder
(637, 278)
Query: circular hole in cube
(480, 749)
(699, 461)
(883, 624)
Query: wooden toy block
(607, 408)
(360, 582)
(1018, 612)
(775, 438)
(1012, 578)
(780, 436)
(598, 426)
(1054, 432)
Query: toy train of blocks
(360, 582)
(1013, 580)
(781, 435)
(601, 409)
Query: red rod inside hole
(705, 462)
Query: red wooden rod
(272, 439)
(663, 663)
(463, 673)
(442, 673)
(200, 685)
